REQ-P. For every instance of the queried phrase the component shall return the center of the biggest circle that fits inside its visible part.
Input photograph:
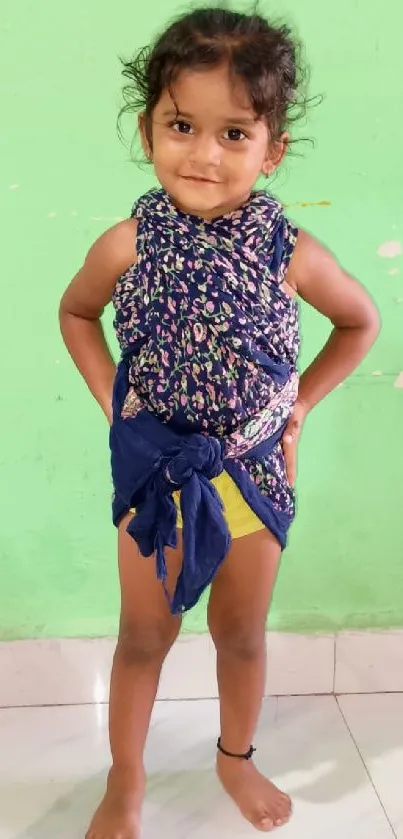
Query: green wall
(64, 179)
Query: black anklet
(247, 756)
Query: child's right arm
(83, 303)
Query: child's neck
(216, 212)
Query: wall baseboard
(75, 671)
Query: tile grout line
(366, 768)
(211, 698)
(334, 662)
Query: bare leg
(239, 602)
(147, 632)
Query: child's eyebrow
(228, 120)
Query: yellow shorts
(241, 520)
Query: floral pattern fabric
(215, 337)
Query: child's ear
(143, 134)
(275, 154)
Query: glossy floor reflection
(341, 761)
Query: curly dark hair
(266, 57)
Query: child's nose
(206, 151)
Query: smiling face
(209, 151)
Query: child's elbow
(373, 321)
(369, 324)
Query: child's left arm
(318, 279)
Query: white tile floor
(341, 761)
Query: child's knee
(146, 641)
(238, 637)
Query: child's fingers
(291, 468)
(290, 455)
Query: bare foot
(258, 799)
(118, 815)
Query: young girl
(206, 406)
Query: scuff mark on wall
(389, 250)
(399, 381)
(315, 204)
(309, 204)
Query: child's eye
(235, 134)
(182, 127)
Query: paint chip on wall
(389, 250)
(309, 204)
(393, 272)
(399, 381)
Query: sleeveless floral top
(214, 336)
